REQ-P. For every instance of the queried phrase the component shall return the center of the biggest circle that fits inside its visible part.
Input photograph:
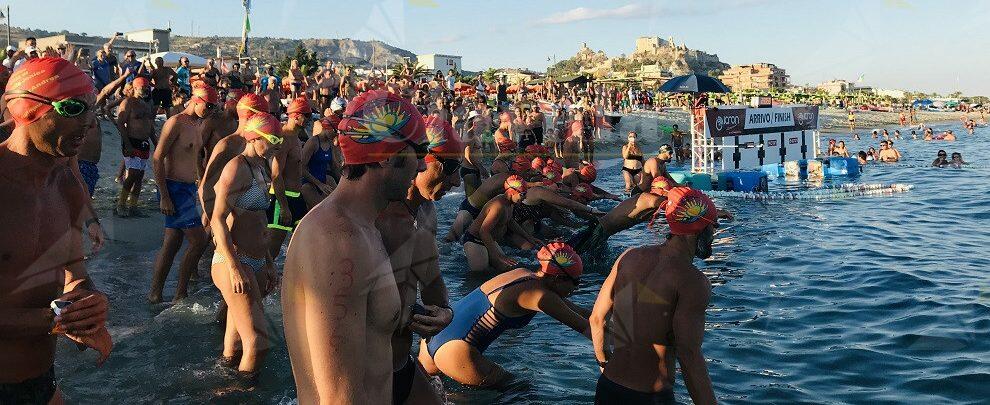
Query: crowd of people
(351, 169)
(887, 153)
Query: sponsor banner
(747, 121)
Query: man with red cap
(627, 214)
(287, 205)
(493, 223)
(177, 166)
(480, 317)
(657, 300)
(339, 296)
(227, 148)
(45, 209)
(409, 232)
(136, 125)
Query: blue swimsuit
(477, 322)
(320, 161)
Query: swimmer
(176, 165)
(851, 120)
(243, 269)
(473, 169)
(136, 125)
(897, 134)
(408, 229)
(223, 123)
(493, 223)
(949, 136)
(928, 134)
(887, 152)
(856, 136)
(914, 135)
(640, 367)
(840, 149)
(957, 160)
(940, 159)
(862, 158)
(287, 206)
(632, 161)
(321, 157)
(876, 134)
(630, 212)
(507, 301)
(338, 283)
(44, 214)
(656, 167)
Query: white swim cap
(338, 104)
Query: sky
(911, 45)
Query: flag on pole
(860, 80)
(247, 28)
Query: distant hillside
(349, 51)
(677, 60)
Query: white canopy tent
(172, 59)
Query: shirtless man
(570, 150)
(136, 124)
(287, 206)
(677, 139)
(657, 300)
(228, 148)
(221, 124)
(328, 84)
(46, 206)
(210, 74)
(655, 167)
(162, 78)
(177, 166)
(408, 231)
(887, 153)
(494, 222)
(339, 295)
(471, 206)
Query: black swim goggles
(68, 107)
(450, 166)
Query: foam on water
(857, 300)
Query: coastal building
(515, 76)
(892, 93)
(436, 61)
(759, 76)
(142, 42)
(836, 87)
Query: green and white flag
(247, 28)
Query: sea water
(857, 300)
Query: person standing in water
(507, 301)
(654, 300)
(632, 161)
(287, 204)
(340, 301)
(242, 269)
(45, 210)
(136, 125)
(177, 166)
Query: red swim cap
(299, 105)
(250, 104)
(514, 185)
(689, 211)
(589, 173)
(582, 192)
(660, 186)
(204, 95)
(444, 143)
(141, 82)
(560, 258)
(377, 125)
(520, 164)
(263, 123)
(538, 164)
(53, 79)
(553, 172)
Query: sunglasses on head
(69, 107)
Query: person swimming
(957, 160)
(507, 301)
(940, 159)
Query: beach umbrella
(694, 83)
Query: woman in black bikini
(632, 161)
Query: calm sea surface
(861, 300)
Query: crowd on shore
(351, 169)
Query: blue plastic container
(745, 181)
(840, 166)
(773, 170)
(698, 181)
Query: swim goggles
(272, 139)
(69, 107)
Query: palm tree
(410, 67)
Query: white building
(436, 61)
(835, 87)
(892, 93)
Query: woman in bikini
(243, 269)
(632, 162)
